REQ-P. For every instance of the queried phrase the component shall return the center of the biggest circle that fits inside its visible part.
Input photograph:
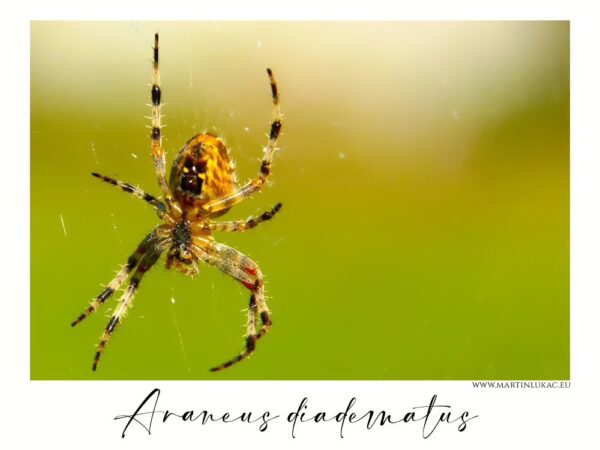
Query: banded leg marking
(136, 192)
(147, 261)
(119, 279)
(247, 272)
(158, 153)
(244, 225)
(255, 184)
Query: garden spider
(202, 185)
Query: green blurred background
(424, 172)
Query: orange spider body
(203, 171)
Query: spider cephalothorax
(202, 186)
(180, 253)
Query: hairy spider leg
(136, 192)
(244, 225)
(255, 184)
(120, 278)
(247, 272)
(158, 153)
(147, 261)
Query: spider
(202, 186)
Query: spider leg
(158, 153)
(247, 272)
(119, 279)
(244, 225)
(136, 192)
(147, 261)
(255, 184)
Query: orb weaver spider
(202, 185)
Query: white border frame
(76, 414)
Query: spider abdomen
(203, 171)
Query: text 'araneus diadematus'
(202, 186)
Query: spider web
(182, 346)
